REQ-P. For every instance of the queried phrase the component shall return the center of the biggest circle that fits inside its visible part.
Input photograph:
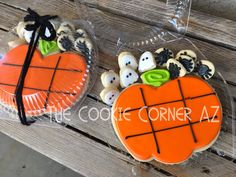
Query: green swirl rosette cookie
(156, 77)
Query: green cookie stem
(48, 47)
(156, 77)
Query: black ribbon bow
(41, 27)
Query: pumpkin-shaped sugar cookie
(52, 83)
(167, 123)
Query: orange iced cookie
(52, 84)
(168, 123)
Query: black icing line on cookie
(51, 82)
(150, 121)
(43, 67)
(186, 111)
(171, 128)
(169, 102)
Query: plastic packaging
(133, 34)
(59, 76)
(159, 25)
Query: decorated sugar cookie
(66, 42)
(45, 75)
(189, 53)
(109, 95)
(20, 29)
(110, 79)
(205, 69)
(127, 59)
(127, 77)
(65, 28)
(27, 35)
(81, 42)
(155, 77)
(80, 33)
(188, 62)
(146, 62)
(54, 82)
(147, 129)
(162, 55)
(48, 47)
(176, 69)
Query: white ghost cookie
(162, 55)
(28, 35)
(187, 62)
(127, 77)
(189, 53)
(175, 68)
(127, 59)
(146, 62)
(20, 29)
(110, 79)
(109, 95)
(205, 69)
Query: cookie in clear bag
(158, 67)
(147, 110)
(50, 60)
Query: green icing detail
(47, 47)
(155, 77)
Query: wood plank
(201, 25)
(76, 151)
(204, 46)
(223, 62)
(43, 139)
(116, 64)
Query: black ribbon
(42, 28)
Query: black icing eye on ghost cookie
(162, 55)
(175, 68)
(187, 62)
(205, 69)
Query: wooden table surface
(92, 148)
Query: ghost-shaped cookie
(110, 79)
(127, 77)
(28, 35)
(146, 62)
(127, 59)
(109, 95)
